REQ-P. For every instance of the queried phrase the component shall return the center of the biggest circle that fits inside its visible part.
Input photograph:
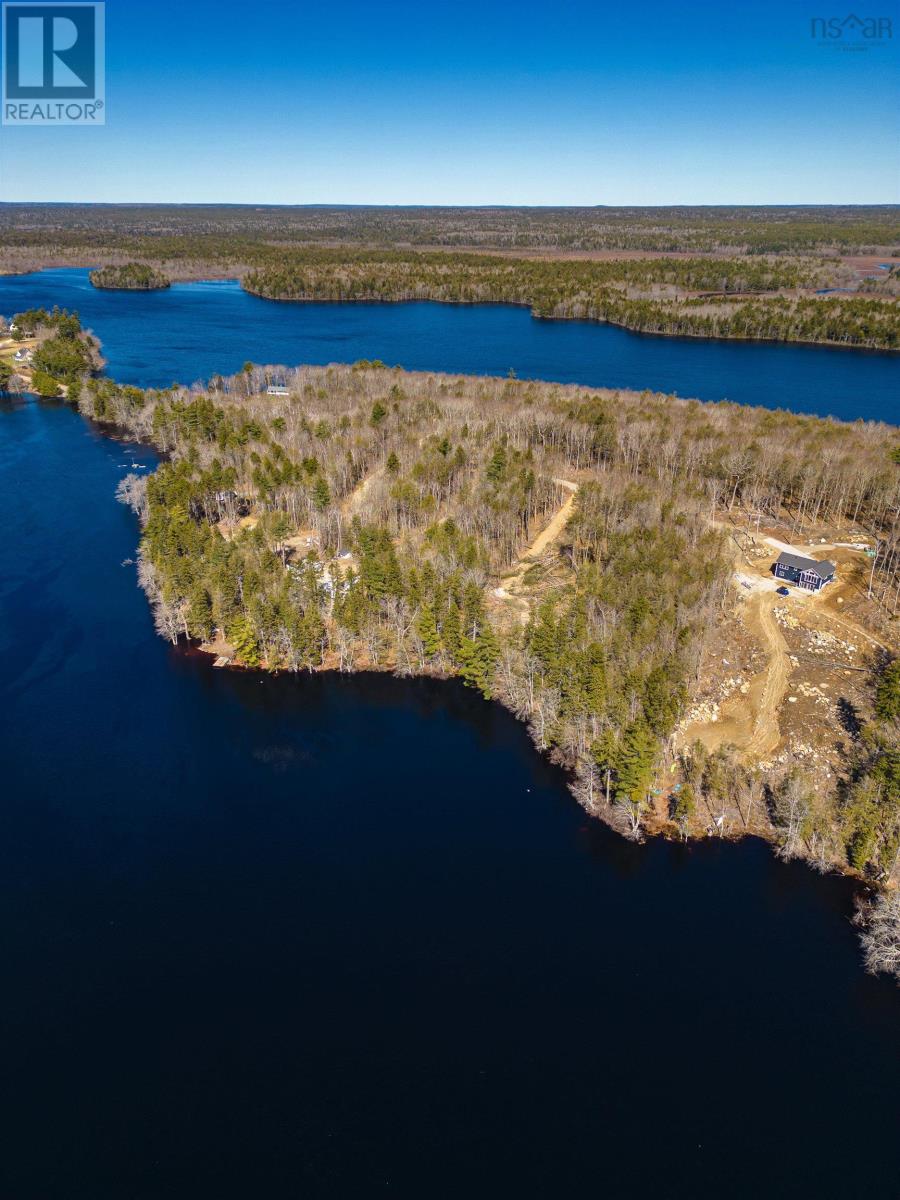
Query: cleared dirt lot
(786, 677)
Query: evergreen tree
(321, 494)
(684, 805)
(199, 617)
(451, 631)
(478, 660)
(497, 465)
(243, 638)
(887, 694)
(378, 414)
(427, 628)
(44, 384)
(635, 763)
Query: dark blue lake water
(191, 331)
(324, 936)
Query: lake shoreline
(589, 320)
(652, 824)
(655, 824)
(309, 893)
(212, 275)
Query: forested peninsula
(686, 297)
(568, 552)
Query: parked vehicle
(783, 591)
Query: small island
(133, 277)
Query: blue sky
(469, 103)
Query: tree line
(457, 471)
(699, 297)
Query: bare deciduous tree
(881, 934)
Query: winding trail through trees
(511, 582)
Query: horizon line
(473, 206)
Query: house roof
(823, 569)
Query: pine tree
(321, 496)
(497, 466)
(606, 755)
(684, 806)
(487, 651)
(379, 412)
(543, 636)
(887, 694)
(428, 630)
(473, 608)
(199, 615)
(635, 764)
(44, 384)
(451, 631)
(478, 660)
(243, 638)
(311, 633)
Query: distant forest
(846, 229)
(786, 274)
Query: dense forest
(131, 276)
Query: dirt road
(510, 584)
(766, 690)
(545, 538)
(748, 720)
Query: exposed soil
(786, 677)
(513, 585)
(354, 503)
